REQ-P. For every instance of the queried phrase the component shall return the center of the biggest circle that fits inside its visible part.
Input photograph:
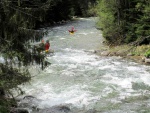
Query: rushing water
(84, 81)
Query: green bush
(147, 54)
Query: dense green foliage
(147, 54)
(124, 21)
(17, 28)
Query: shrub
(147, 54)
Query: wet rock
(56, 109)
(29, 102)
(129, 54)
(90, 51)
(143, 59)
(121, 53)
(28, 97)
(105, 53)
(112, 54)
(98, 51)
(19, 110)
(147, 60)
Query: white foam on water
(2, 59)
(117, 63)
(83, 33)
(125, 83)
(145, 78)
(74, 56)
(133, 68)
(92, 32)
(62, 38)
(76, 63)
(80, 78)
(71, 95)
(111, 67)
(47, 70)
(120, 82)
(68, 73)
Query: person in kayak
(47, 46)
(72, 30)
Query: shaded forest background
(121, 21)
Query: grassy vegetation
(143, 50)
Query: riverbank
(135, 53)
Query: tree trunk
(19, 3)
(2, 93)
(3, 22)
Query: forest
(121, 21)
(124, 21)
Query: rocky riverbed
(125, 51)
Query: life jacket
(47, 45)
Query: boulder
(129, 54)
(147, 60)
(105, 53)
(112, 54)
(143, 59)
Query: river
(84, 81)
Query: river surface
(82, 80)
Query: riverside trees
(18, 21)
(124, 21)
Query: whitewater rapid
(80, 79)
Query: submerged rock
(30, 102)
(56, 109)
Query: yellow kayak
(71, 33)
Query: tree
(18, 29)
(142, 25)
(109, 22)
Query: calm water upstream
(84, 81)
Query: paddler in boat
(47, 46)
(72, 30)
